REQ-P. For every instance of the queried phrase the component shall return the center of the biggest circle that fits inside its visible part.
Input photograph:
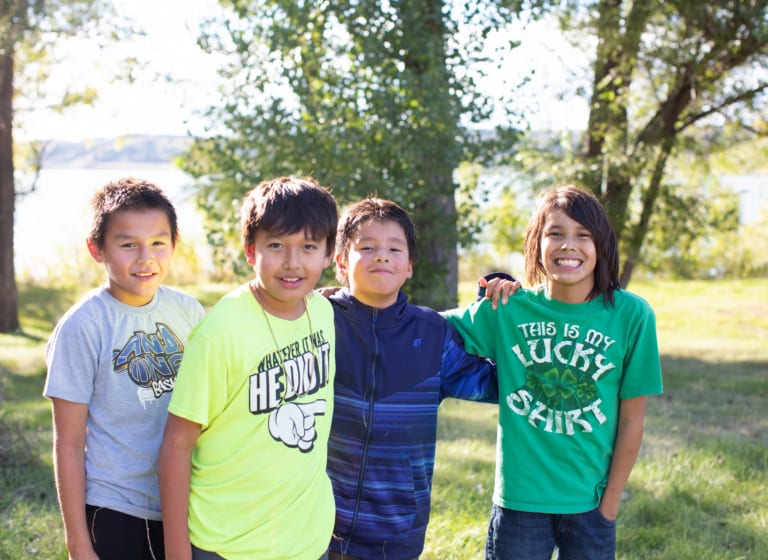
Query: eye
(365, 248)
(127, 245)
(310, 247)
(274, 245)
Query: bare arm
(174, 474)
(69, 422)
(628, 438)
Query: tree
(667, 76)
(369, 97)
(28, 28)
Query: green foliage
(669, 78)
(368, 97)
(686, 229)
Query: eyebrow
(128, 235)
(388, 239)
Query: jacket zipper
(368, 428)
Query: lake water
(52, 222)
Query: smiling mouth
(568, 263)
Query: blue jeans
(521, 535)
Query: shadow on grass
(25, 476)
(704, 400)
(683, 524)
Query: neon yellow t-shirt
(259, 488)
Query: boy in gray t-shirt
(112, 361)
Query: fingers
(499, 289)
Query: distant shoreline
(110, 153)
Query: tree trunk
(9, 297)
(434, 152)
(436, 273)
(650, 197)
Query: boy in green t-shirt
(242, 465)
(577, 358)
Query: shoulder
(179, 297)
(426, 314)
(90, 305)
(631, 302)
(319, 305)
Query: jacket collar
(356, 311)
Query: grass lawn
(698, 491)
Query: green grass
(698, 491)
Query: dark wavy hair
(584, 207)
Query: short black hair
(128, 193)
(287, 205)
(372, 209)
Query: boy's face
(287, 267)
(378, 263)
(136, 253)
(569, 257)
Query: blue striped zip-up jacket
(393, 368)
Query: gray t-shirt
(121, 361)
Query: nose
(145, 254)
(291, 258)
(380, 255)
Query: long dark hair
(584, 207)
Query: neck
(568, 294)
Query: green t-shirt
(562, 370)
(259, 488)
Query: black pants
(118, 536)
(198, 554)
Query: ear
(341, 265)
(95, 250)
(409, 272)
(250, 254)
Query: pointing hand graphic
(294, 423)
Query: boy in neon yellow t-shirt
(242, 465)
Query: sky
(146, 105)
(149, 106)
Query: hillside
(106, 152)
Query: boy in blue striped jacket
(395, 363)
